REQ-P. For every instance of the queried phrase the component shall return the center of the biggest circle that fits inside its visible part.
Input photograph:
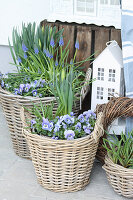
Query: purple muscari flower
(56, 63)
(67, 119)
(81, 118)
(35, 82)
(51, 56)
(78, 126)
(71, 62)
(36, 50)
(19, 59)
(47, 53)
(16, 91)
(27, 87)
(77, 44)
(52, 42)
(69, 134)
(46, 125)
(34, 92)
(87, 129)
(25, 55)
(61, 42)
(25, 49)
(33, 121)
(2, 83)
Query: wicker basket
(119, 177)
(12, 105)
(116, 107)
(61, 165)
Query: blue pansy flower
(27, 87)
(34, 92)
(67, 119)
(33, 121)
(81, 118)
(46, 125)
(2, 83)
(78, 126)
(16, 91)
(69, 134)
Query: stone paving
(18, 180)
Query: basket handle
(85, 86)
(98, 130)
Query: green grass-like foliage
(120, 150)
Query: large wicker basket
(119, 177)
(12, 105)
(61, 165)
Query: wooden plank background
(92, 39)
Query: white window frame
(85, 13)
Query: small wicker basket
(62, 165)
(116, 107)
(119, 177)
(12, 105)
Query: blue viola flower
(34, 92)
(40, 95)
(77, 44)
(64, 125)
(57, 127)
(2, 83)
(46, 125)
(6, 85)
(36, 81)
(52, 44)
(55, 137)
(78, 126)
(27, 87)
(19, 60)
(67, 119)
(81, 118)
(33, 121)
(21, 88)
(25, 55)
(16, 91)
(56, 63)
(61, 42)
(25, 49)
(69, 134)
(71, 114)
(87, 129)
(36, 50)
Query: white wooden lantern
(108, 71)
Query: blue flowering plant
(32, 39)
(21, 84)
(66, 127)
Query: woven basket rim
(9, 94)
(121, 168)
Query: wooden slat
(68, 35)
(101, 37)
(84, 38)
(116, 35)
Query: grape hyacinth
(77, 44)
(52, 44)
(61, 42)
(25, 49)
(36, 50)
(19, 60)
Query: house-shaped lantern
(108, 71)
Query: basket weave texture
(12, 105)
(119, 177)
(62, 165)
(116, 107)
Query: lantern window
(100, 75)
(112, 73)
(99, 92)
(111, 93)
